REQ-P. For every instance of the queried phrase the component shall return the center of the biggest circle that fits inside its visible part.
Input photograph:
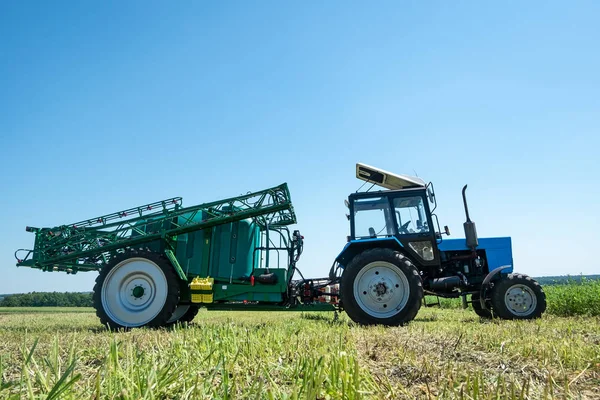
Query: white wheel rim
(134, 292)
(381, 289)
(520, 300)
(178, 314)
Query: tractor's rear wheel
(381, 286)
(517, 296)
(476, 304)
(137, 288)
(183, 313)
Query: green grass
(233, 355)
(575, 298)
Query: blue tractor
(396, 255)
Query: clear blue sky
(109, 105)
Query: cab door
(414, 227)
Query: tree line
(566, 279)
(47, 299)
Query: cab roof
(387, 179)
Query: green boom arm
(89, 244)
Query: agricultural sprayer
(159, 262)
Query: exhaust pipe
(470, 229)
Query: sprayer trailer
(159, 262)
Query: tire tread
(512, 279)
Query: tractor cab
(401, 215)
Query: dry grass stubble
(452, 353)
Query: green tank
(233, 254)
(192, 246)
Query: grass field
(38, 310)
(65, 353)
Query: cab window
(372, 218)
(410, 215)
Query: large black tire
(119, 302)
(483, 313)
(190, 314)
(376, 274)
(517, 296)
(187, 317)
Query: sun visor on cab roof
(387, 179)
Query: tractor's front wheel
(381, 286)
(518, 296)
(137, 288)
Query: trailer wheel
(518, 296)
(182, 314)
(381, 286)
(477, 307)
(137, 288)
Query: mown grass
(234, 355)
(37, 310)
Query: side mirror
(346, 203)
(447, 230)
(348, 216)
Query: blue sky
(109, 105)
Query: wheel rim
(520, 300)
(134, 292)
(178, 314)
(381, 289)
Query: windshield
(372, 218)
(411, 216)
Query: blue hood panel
(498, 250)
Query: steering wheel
(403, 228)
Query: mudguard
(355, 247)
(507, 269)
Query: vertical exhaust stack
(470, 229)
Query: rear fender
(355, 247)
